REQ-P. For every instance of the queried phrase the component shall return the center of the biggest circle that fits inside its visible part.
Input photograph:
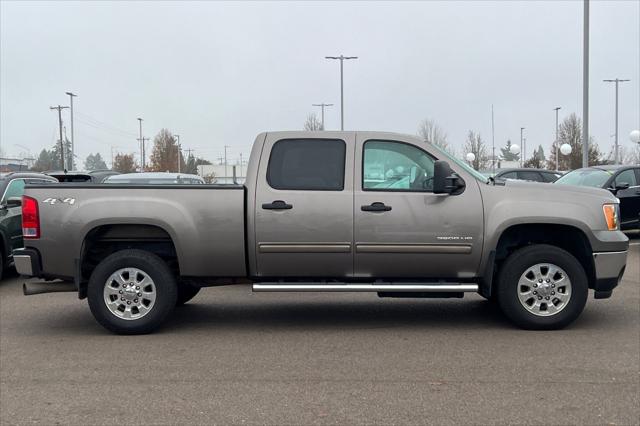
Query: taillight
(30, 218)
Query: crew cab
(327, 211)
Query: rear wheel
(542, 287)
(132, 292)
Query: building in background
(221, 174)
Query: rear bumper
(609, 268)
(27, 262)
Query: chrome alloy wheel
(544, 289)
(129, 293)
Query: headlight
(611, 216)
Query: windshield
(585, 177)
(476, 174)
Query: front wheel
(542, 287)
(132, 292)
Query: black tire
(165, 291)
(516, 265)
(186, 292)
(1, 263)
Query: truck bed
(206, 223)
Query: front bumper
(27, 262)
(609, 269)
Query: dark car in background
(533, 175)
(11, 190)
(622, 181)
(70, 176)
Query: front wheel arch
(566, 237)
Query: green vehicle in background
(11, 190)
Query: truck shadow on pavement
(351, 315)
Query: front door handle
(375, 207)
(277, 205)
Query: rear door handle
(277, 205)
(375, 207)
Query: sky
(219, 73)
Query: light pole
(225, 162)
(322, 105)
(616, 81)
(585, 85)
(556, 109)
(141, 147)
(341, 58)
(493, 144)
(522, 156)
(73, 141)
(179, 150)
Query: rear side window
(307, 164)
(532, 176)
(509, 175)
(549, 177)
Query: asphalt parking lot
(231, 356)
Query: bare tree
(431, 132)
(630, 155)
(124, 163)
(312, 123)
(570, 132)
(164, 157)
(476, 145)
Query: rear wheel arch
(567, 237)
(106, 239)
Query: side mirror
(14, 201)
(445, 181)
(622, 185)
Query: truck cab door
(304, 206)
(403, 229)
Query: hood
(553, 188)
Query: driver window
(396, 166)
(628, 176)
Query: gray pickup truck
(327, 211)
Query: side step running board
(30, 288)
(390, 287)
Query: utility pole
(241, 161)
(179, 151)
(60, 108)
(557, 141)
(616, 81)
(322, 105)
(521, 148)
(341, 58)
(585, 86)
(73, 141)
(225, 161)
(141, 141)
